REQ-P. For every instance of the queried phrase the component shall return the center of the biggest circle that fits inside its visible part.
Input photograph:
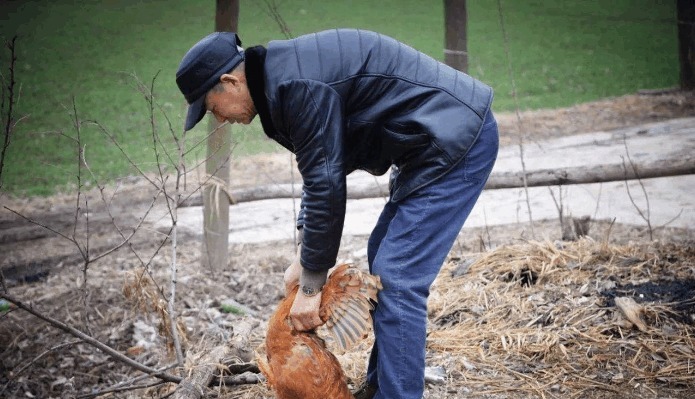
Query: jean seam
(410, 250)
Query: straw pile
(567, 320)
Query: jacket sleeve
(313, 118)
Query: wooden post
(455, 43)
(219, 150)
(227, 16)
(686, 42)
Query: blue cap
(201, 68)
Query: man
(344, 100)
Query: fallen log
(239, 344)
(193, 386)
(200, 375)
(594, 174)
(535, 178)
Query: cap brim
(196, 111)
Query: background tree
(219, 150)
(686, 42)
(455, 41)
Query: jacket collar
(255, 78)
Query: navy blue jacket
(343, 100)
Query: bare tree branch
(274, 13)
(172, 205)
(565, 227)
(84, 250)
(125, 239)
(52, 230)
(206, 180)
(7, 103)
(84, 245)
(91, 341)
(205, 138)
(120, 148)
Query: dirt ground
(43, 265)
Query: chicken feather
(298, 365)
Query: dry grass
(540, 318)
(140, 289)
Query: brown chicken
(298, 364)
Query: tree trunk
(455, 43)
(227, 16)
(219, 149)
(686, 42)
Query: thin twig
(558, 205)
(518, 114)
(125, 239)
(160, 189)
(42, 354)
(598, 200)
(673, 219)
(645, 215)
(172, 206)
(272, 11)
(205, 138)
(120, 148)
(85, 253)
(149, 262)
(127, 385)
(52, 230)
(565, 227)
(206, 180)
(148, 92)
(487, 230)
(120, 389)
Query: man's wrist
(311, 282)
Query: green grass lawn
(562, 53)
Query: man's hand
(304, 314)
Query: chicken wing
(298, 365)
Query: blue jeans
(407, 249)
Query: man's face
(233, 102)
